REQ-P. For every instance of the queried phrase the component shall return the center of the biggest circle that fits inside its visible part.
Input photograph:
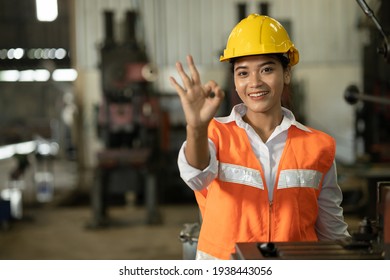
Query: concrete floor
(47, 233)
(59, 229)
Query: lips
(258, 94)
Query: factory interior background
(90, 127)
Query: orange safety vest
(235, 206)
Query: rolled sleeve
(330, 223)
(195, 178)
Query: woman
(258, 174)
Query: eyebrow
(261, 65)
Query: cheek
(278, 86)
(240, 85)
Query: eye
(242, 73)
(267, 69)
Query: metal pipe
(352, 96)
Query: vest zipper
(270, 221)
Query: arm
(200, 103)
(197, 179)
(330, 223)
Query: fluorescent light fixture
(6, 152)
(38, 75)
(64, 75)
(60, 53)
(9, 151)
(48, 148)
(47, 10)
(25, 147)
(26, 76)
(41, 75)
(18, 53)
(9, 76)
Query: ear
(287, 75)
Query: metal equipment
(128, 120)
(111, 160)
(303, 251)
(189, 237)
(352, 96)
(39, 152)
(372, 118)
(385, 48)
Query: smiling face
(259, 82)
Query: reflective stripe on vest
(290, 178)
(240, 174)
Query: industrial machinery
(129, 113)
(370, 242)
(129, 123)
(372, 118)
(36, 155)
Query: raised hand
(200, 102)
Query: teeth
(258, 94)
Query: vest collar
(239, 111)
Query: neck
(264, 124)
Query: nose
(255, 79)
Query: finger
(180, 90)
(186, 80)
(194, 71)
(214, 90)
(219, 93)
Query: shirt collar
(239, 111)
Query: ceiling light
(41, 75)
(47, 10)
(18, 53)
(64, 75)
(26, 76)
(9, 75)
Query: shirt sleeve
(198, 179)
(330, 223)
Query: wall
(325, 32)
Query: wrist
(196, 132)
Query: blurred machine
(129, 114)
(37, 155)
(372, 114)
(129, 124)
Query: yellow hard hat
(258, 34)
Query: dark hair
(284, 60)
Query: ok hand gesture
(200, 102)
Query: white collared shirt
(330, 222)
